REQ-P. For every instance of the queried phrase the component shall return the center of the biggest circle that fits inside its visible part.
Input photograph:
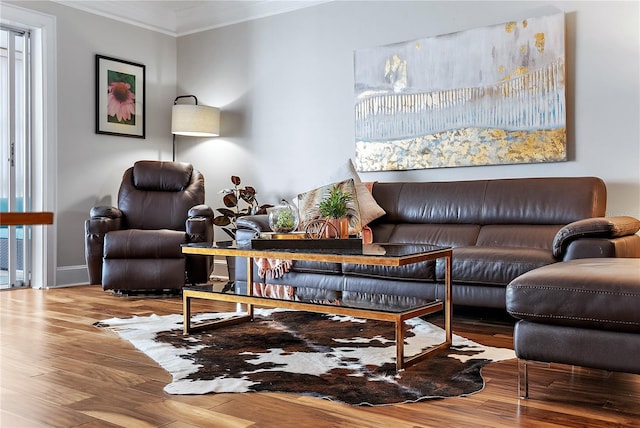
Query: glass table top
(390, 250)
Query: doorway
(39, 171)
(15, 154)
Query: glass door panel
(15, 245)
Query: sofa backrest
(506, 212)
(532, 201)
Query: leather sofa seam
(533, 287)
(532, 315)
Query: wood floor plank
(196, 414)
(58, 370)
(40, 412)
(12, 420)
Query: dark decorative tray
(307, 244)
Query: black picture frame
(120, 97)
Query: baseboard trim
(71, 275)
(67, 276)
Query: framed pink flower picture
(120, 97)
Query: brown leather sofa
(137, 246)
(498, 229)
(581, 312)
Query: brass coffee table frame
(398, 318)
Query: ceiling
(179, 18)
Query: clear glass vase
(283, 218)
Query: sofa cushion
(451, 235)
(315, 267)
(494, 265)
(522, 235)
(390, 302)
(422, 271)
(143, 274)
(309, 280)
(362, 285)
(599, 293)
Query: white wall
(285, 85)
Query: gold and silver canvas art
(486, 96)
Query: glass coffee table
(375, 254)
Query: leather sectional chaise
(582, 312)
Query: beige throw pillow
(369, 208)
(308, 204)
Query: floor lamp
(193, 120)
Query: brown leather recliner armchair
(137, 246)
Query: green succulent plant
(335, 203)
(285, 220)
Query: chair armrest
(105, 211)
(199, 224)
(596, 227)
(201, 210)
(103, 219)
(199, 228)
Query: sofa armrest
(596, 227)
(258, 223)
(248, 228)
(624, 246)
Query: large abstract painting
(485, 96)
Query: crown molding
(190, 17)
(139, 14)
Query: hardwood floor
(58, 370)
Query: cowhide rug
(339, 358)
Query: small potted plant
(334, 208)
